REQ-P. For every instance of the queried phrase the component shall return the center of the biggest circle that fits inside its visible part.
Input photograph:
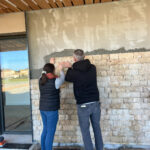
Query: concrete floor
(67, 148)
(26, 139)
(37, 147)
(81, 148)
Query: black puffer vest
(49, 96)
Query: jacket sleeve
(70, 75)
(59, 81)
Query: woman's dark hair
(48, 68)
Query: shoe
(2, 143)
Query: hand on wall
(60, 67)
(66, 64)
(52, 60)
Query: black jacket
(49, 96)
(83, 76)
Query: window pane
(15, 84)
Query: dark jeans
(49, 119)
(86, 113)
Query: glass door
(15, 93)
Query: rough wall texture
(124, 85)
(108, 26)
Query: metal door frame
(2, 118)
(1, 108)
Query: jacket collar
(51, 76)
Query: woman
(49, 85)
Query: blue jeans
(49, 119)
(86, 113)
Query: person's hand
(60, 67)
(52, 60)
(66, 64)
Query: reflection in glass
(15, 84)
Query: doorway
(15, 108)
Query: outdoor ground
(17, 118)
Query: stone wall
(124, 84)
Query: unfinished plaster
(35, 73)
(108, 26)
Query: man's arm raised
(71, 73)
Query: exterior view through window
(14, 67)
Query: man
(83, 75)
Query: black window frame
(1, 109)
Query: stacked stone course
(124, 84)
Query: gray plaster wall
(121, 26)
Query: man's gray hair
(79, 54)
